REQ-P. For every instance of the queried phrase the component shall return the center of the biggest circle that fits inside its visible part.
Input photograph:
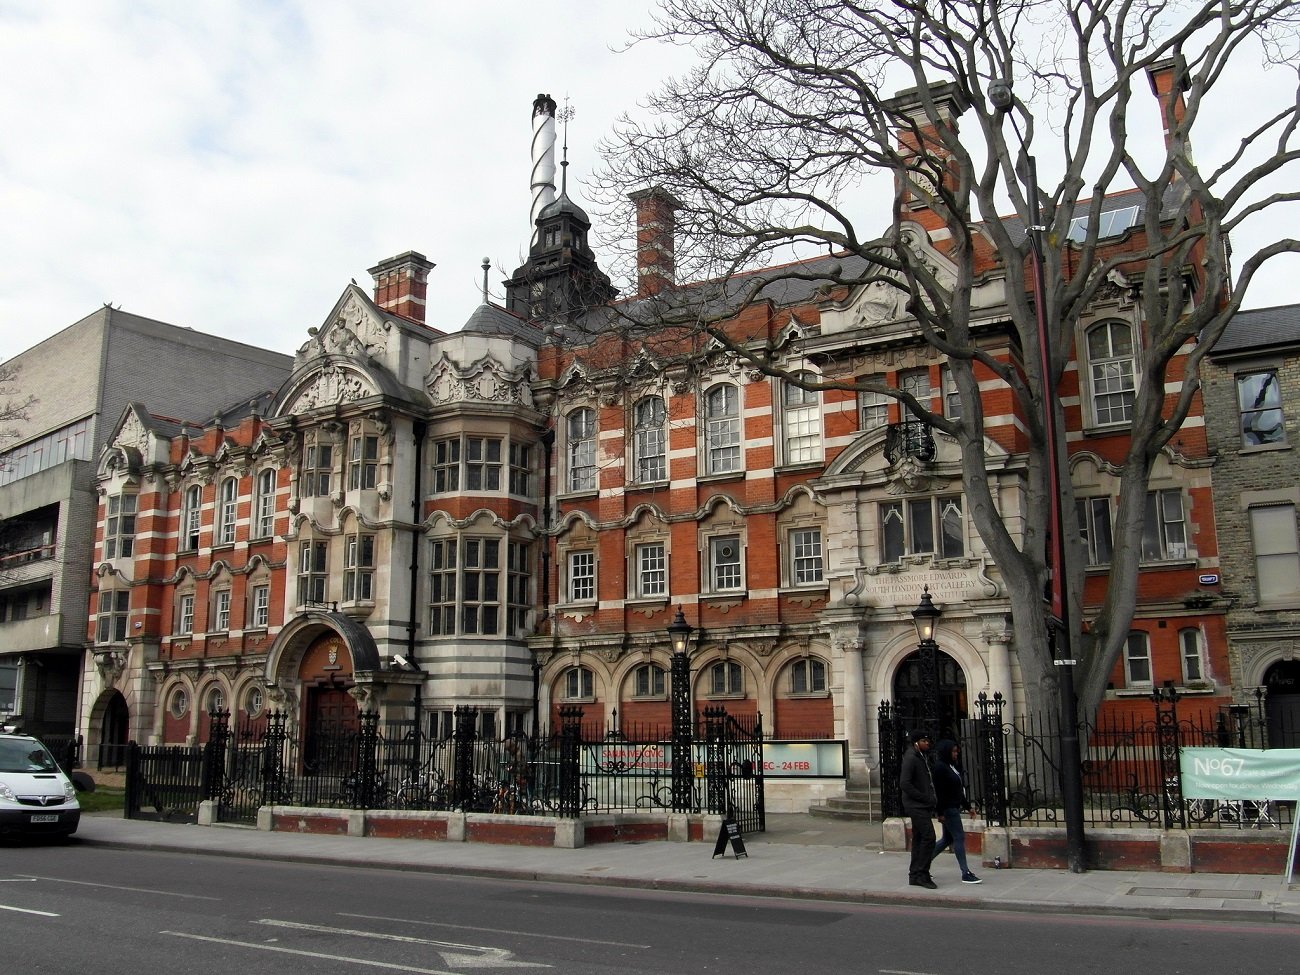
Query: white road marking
(27, 910)
(508, 931)
(133, 890)
(452, 953)
(311, 954)
(901, 971)
(16, 880)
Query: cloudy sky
(229, 165)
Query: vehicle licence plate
(45, 818)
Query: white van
(35, 796)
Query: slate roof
(1259, 329)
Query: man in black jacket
(919, 802)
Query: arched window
(190, 518)
(722, 429)
(216, 701)
(726, 679)
(1137, 660)
(264, 526)
(253, 702)
(1190, 647)
(227, 509)
(580, 437)
(648, 681)
(1111, 369)
(579, 684)
(808, 676)
(649, 443)
(180, 703)
(802, 421)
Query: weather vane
(564, 115)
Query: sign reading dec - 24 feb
(1240, 773)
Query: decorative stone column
(845, 628)
(997, 636)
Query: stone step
(854, 805)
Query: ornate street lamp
(927, 650)
(683, 772)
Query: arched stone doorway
(1282, 705)
(114, 732)
(329, 712)
(908, 694)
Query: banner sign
(1240, 773)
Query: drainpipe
(548, 445)
(417, 506)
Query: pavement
(799, 856)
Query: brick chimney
(921, 137)
(401, 283)
(656, 230)
(1168, 80)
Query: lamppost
(1058, 618)
(683, 772)
(927, 650)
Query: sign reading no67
(1240, 773)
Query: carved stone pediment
(334, 384)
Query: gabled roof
(489, 319)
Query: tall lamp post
(683, 772)
(1058, 610)
(924, 616)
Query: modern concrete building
(82, 379)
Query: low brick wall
(1170, 851)
(458, 827)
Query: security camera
(403, 662)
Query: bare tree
(14, 404)
(769, 143)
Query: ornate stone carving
(109, 664)
(881, 302)
(334, 384)
(133, 433)
(362, 694)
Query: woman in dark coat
(950, 792)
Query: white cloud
(230, 165)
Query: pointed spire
(565, 115)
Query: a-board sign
(729, 832)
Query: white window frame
(1191, 651)
(363, 462)
(1260, 413)
(1112, 374)
(359, 567)
(951, 396)
(185, 614)
(191, 518)
(265, 485)
(579, 684)
(805, 557)
(446, 465)
(520, 469)
(1164, 526)
(801, 422)
(1138, 671)
(261, 609)
(112, 619)
(119, 526)
(519, 576)
(221, 611)
(227, 511)
(483, 462)
(723, 451)
(318, 470)
(725, 567)
(873, 407)
(580, 583)
(650, 570)
(916, 516)
(580, 433)
(313, 571)
(1277, 553)
(649, 683)
(732, 683)
(1097, 537)
(812, 673)
(649, 440)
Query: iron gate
(733, 768)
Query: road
(77, 908)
